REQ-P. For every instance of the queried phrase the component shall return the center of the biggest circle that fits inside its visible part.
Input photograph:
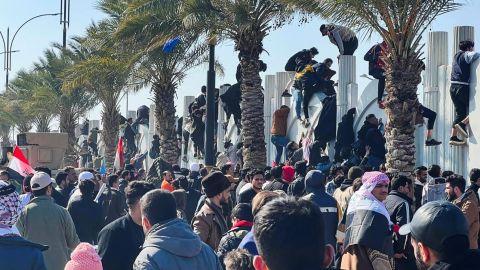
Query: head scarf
(363, 199)
(10, 205)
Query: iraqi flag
(118, 163)
(19, 163)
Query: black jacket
(370, 135)
(345, 135)
(191, 204)
(88, 218)
(119, 244)
(329, 208)
(468, 261)
(276, 184)
(297, 187)
(417, 193)
(231, 240)
(247, 195)
(399, 207)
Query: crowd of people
(306, 212)
(291, 216)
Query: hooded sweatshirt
(174, 246)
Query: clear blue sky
(36, 36)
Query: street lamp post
(210, 125)
(8, 45)
(65, 19)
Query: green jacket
(46, 223)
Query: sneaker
(456, 141)
(381, 105)
(184, 158)
(462, 129)
(286, 93)
(432, 142)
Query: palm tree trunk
(165, 120)
(67, 125)
(253, 125)
(401, 108)
(110, 113)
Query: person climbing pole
(376, 68)
(460, 89)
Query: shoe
(462, 129)
(306, 123)
(286, 93)
(454, 140)
(432, 142)
(381, 105)
(184, 158)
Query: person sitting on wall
(290, 67)
(376, 68)
(460, 89)
(341, 36)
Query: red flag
(19, 163)
(119, 163)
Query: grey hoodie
(174, 246)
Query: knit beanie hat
(355, 172)
(214, 183)
(288, 173)
(84, 257)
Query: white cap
(86, 176)
(194, 167)
(40, 180)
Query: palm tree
(247, 23)
(70, 105)
(29, 91)
(144, 27)
(104, 72)
(401, 24)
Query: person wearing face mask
(368, 235)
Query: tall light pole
(8, 46)
(65, 19)
(210, 125)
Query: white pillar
(437, 56)
(187, 100)
(221, 120)
(347, 91)
(460, 153)
(269, 106)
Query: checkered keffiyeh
(10, 205)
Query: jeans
(280, 143)
(381, 88)
(298, 97)
(460, 95)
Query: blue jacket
(18, 253)
(174, 246)
(249, 244)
